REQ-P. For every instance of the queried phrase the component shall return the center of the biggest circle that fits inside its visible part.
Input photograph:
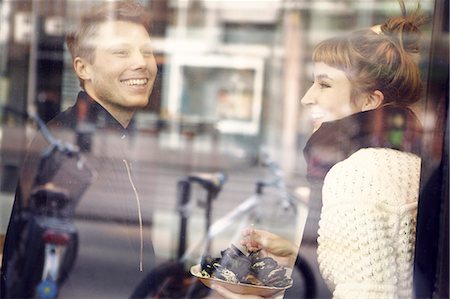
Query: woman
(365, 151)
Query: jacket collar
(389, 126)
(89, 110)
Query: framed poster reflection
(225, 90)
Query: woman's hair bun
(405, 29)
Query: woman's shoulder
(379, 156)
(379, 174)
(378, 160)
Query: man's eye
(324, 85)
(147, 53)
(120, 52)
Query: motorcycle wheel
(305, 285)
(27, 262)
(69, 259)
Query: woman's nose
(308, 98)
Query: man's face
(329, 98)
(122, 74)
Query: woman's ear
(81, 67)
(373, 101)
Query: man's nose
(139, 60)
(309, 97)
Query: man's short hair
(124, 10)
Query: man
(113, 60)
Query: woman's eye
(324, 85)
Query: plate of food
(243, 274)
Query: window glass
(225, 124)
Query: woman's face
(329, 98)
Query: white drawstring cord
(139, 213)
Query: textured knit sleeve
(367, 224)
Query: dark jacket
(108, 215)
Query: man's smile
(135, 82)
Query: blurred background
(231, 75)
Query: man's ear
(81, 67)
(373, 100)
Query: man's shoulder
(65, 119)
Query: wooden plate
(239, 288)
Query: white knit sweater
(367, 225)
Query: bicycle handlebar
(54, 142)
(277, 182)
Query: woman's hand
(280, 249)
